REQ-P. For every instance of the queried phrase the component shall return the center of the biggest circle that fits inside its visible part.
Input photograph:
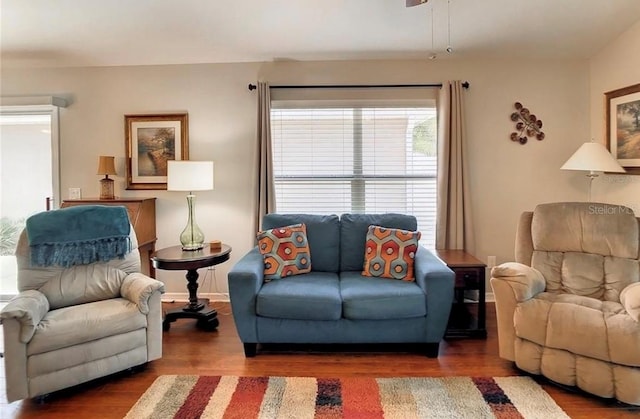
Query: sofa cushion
(73, 325)
(581, 226)
(581, 325)
(389, 253)
(75, 285)
(285, 251)
(353, 233)
(83, 284)
(586, 274)
(588, 249)
(323, 234)
(366, 298)
(69, 357)
(312, 296)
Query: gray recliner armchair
(72, 324)
(568, 308)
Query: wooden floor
(187, 350)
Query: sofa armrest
(29, 308)
(630, 299)
(512, 283)
(138, 288)
(437, 281)
(525, 282)
(245, 280)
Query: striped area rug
(192, 396)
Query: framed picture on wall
(623, 126)
(150, 141)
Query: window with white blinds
(356, 158)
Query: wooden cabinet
(142, 214)
(467, 318)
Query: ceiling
(141, 32)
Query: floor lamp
(187, 175)
(593, 158)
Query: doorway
(29, 178)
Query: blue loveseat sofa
(334, 303)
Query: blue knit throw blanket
(78, 235)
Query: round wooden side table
(175, 259)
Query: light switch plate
(75, 193)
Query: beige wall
(615, 67)
(506, 178)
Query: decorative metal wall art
(527, 124)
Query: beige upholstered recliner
(569, 307)
(71, 325)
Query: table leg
(192, 286)
(482, 306)
(196, 308)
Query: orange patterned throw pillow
(390, 253)
(285, 251)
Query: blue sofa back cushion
(353, 234)
(323, 235)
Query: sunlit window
(334, 160)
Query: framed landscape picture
(152, 140)
(623, 126)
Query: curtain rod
(353, 86)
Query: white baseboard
(183, 297)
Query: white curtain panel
(454, 229)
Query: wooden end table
(175, 259)
(470, 275)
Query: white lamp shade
(593, 157)
(187, 175)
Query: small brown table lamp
(106, 167)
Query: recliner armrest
(512, 283)
(29, 308)
(138, 288)
(630, 299)
(525, 281)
